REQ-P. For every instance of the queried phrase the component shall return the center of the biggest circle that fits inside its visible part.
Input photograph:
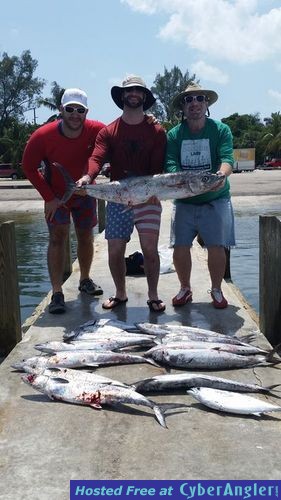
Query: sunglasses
(134, 89)
(190, 98)
(71, 109)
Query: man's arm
(172, 160)
(97, 160)
(32, 157)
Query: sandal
(182, 298)
(113, 302)
(152, 303)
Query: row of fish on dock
(106, 342)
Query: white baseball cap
(74, 96)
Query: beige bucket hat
(132, 81)
(195, 89)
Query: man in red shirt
(69, 142)
(134, 147)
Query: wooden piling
(10, 320)
(270, 278)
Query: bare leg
(216, 265)
(117, 266)
(183, 265)
(85, 251)
(56, 255)
(149, 244)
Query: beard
(136, 102)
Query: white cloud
(232, 30)
(207, 72)
(275, 94)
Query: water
(32, 242)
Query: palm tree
(53, 102)
(272, 137)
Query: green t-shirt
(205, 150)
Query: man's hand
(51, 208)
(151, 119)
(86, 179)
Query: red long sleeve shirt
(48, 144)
(131, 150)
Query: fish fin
(151, 361)
(96, 406)
(59, 380)
(257, 414)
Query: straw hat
(195, 89)
(132, 81)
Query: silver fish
(231, 402)
(205, 359)
(167, 332)
(194, 344)
(79, 359)
(99, 344)
(135, 190)
(101, 327)
(187, 380)
(79, 376)
(63, 390)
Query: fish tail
(270, 356)
(160, 411)
(159, 414)
(69, 183)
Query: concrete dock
(44, 444)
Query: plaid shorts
(120, 220)
(82, 210)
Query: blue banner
(180, 490)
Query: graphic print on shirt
(133, 149)
(196, 155)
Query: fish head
(205, 181)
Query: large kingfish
(96, 344)
(176, 381)
(96, 397)
(78, 376)
(170, 330)
(205, 359)
(246, 349)
(80, 359)
(136, 190)
(231, 402)
(99, 327)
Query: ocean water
(32, 242)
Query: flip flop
(115, 302)
(152, 303)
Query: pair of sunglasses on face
(71, 109)
(190, 98)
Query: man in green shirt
(200, 143)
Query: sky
(232, 46)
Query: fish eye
(205, 178)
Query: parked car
(7, 170)
(274, 163)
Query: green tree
(165, 88)
(18, 87)
(271, 138)
(53, 102)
